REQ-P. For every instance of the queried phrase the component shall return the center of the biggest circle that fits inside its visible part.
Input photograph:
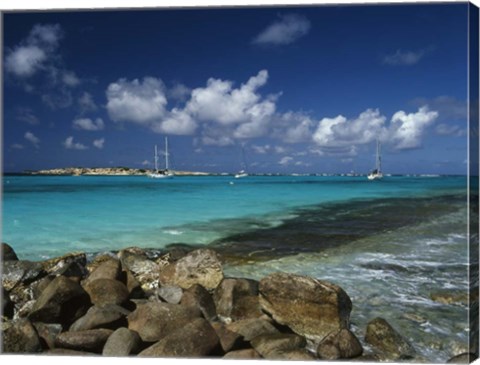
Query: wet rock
(71, 265)
(272, 346)
(251, 328)
(245, 354)
(237, 299)
(8, 253)
(465, 358)
(198, 297)
(63, 301)
(110, 316)
(107, 291)
(229, 340)
(122, 342)
(15, 272)
(310, 307)
(48, 333)
(339, 345)
(201, 267)
(155, 320)
(108, 269)
(170, 293)
(195, 339)
(89, 340)
(145, 271)
(383, 337)
(7, 304)
(450, 297)
(20, 337)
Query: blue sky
(302, 89)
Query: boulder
(63, 301)
(110, 316)
(170, 293)
(20, 336)
(245, 354)
(134, 288)
(155, 320)
(271, 346)
(8, 253)
(292, 355)
(201, 267)
(48, 333)
(71, 264)
(237, 299)
(122, 342)
(229, 340)
(310, 307)
(465, 358)
(108, 269)
(450, 297)
(98, 260)
(106, 291)
(68, 352)
(251, 328)
(15, 272)
(89, 340)
(198, 297)
(384, 338)
(339, 345)
(145, 271)
(195, 339)
(7, 304)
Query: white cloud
(444, 129)
(141, 102)
(406, 58)
(29, 136)
(285, 161)
(406, 130)
(17, 146)
(146, 163)
(261, 149)
(24, 61)
(70, 79)
(26, 115)
(293, 127)
(98, 143)
(86, 103)
(285, 31)
(69, 144)
(179, 92)
(47, 35)
(176, 122)
(88, 124)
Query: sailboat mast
(166, 153)
(156, 159)
(379, 159)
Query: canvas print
(250, 182)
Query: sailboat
(243, 172)
(377, 172)
(157, 174)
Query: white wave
(173, 232)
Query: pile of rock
(178, 305)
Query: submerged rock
(201, 267)
(310, 307)
(122, 342)
(89, 340)
(383, 337)
(20, 336)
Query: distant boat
(377, 172)
(243, 171)
(157, 174)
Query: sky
(299, 89)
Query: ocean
(391, 244)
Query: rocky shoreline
(178, 303)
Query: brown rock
(107, 291)
(122, 342)
(63, 301)
(195, 339)
(8, 253)
(68, 352)
(71, 264)
(16, 272)
(134, 288)
(387, 340)
(229, 340)
(245, 354)
(344, 341)
(201, 267)
(251, 328)
(145, 271)
(465, 358)
(198, 297)
(7, 304)
(271, 346)
(292, 355)
(89, 340)
(108, 269)
(237, 299)
(20, 337)
(48, 332)
(170, 293)
(110, 316)
(310, 307)
(155, 320)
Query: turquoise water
(390, 244)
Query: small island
(107, 171)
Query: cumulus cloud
(69, 78)
(47, 35)
(285, 160)
(405, 58)
(88, 124)
(71, 145)
(98, 143)
(179, 92)
(175, 122)
(406, 130)
(29, 136)
(141, 102)
(287, 30)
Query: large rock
(155, 320)
(229, 340)
(122, 342)
(170, 293)
(16, 272)
(20, 336)
(48, 332)
(63, 301)
(89, 340)
(108, 269)
(201, 267)
(8, 253)
(198, 297)
(272, 346)
(68, 352)
(107, 291)
(251, 327)
(7, 304)
(237, 299)
(310, 307)
(71, 265)
(339, 345)
(245, 354)
(195, 339)
(145, 271)
(384, 338)
(110, 316)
